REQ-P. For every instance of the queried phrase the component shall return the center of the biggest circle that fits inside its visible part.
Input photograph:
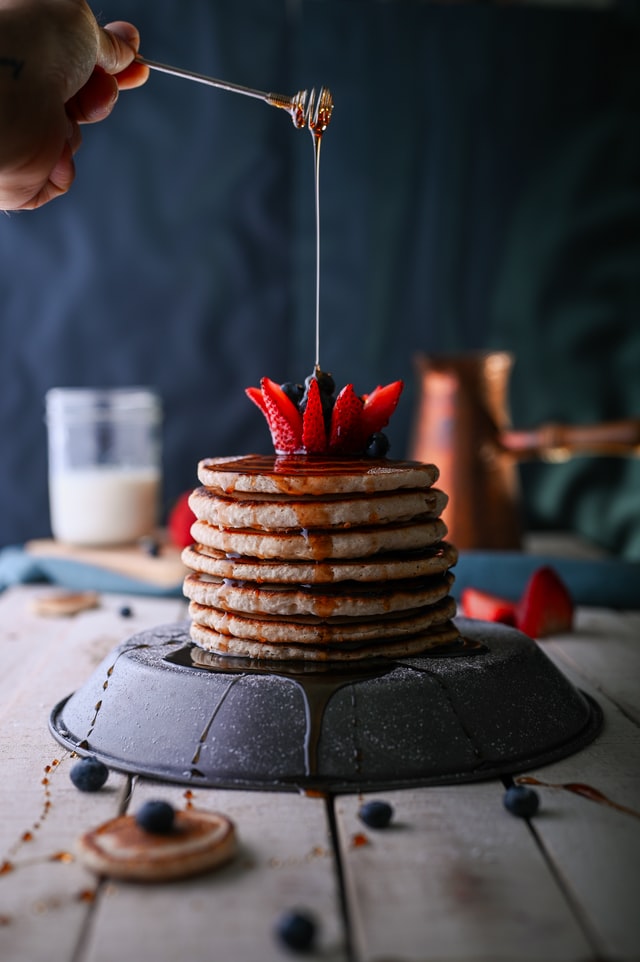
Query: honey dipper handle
(276, 100)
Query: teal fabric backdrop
(480, 187)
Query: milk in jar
(104, 464)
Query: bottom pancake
(228, 645)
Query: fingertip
(125, 31)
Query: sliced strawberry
(179, 521)
(546, 607)
(379, 406)
(285, 420)
(346, 423)
(487, 607)
(314, 432)
(256, 396)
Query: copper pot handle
(559, 442)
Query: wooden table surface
(455, 878)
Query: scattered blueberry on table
(126, 611)
(296, 929)
(149, 546)
(156, 816)
(89, 774)
(376, 814)
(522, 801)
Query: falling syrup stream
(317, 129)
(317, 141)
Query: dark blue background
(480, 187)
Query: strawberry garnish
(283, 417)
(546, 607)
(346, 422)
(314, 433)
(487, 607)
(343, 426)
(379, 406)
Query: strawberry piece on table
(314, 432)
(484, 606)
(347, 434)
(546, 607)
(283, 417)
(379, 406)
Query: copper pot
(462, 424)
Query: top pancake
(312, 475)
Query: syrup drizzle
(8, 863)
(318, 684)
(205, 732)
(579, 788)
(85, 743)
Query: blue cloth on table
(18, 567)
(606, 583)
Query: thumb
(118, 44)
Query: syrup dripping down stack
(319, 559)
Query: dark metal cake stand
(489, 706)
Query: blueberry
(126, 611)
(89, 774)
(156, 817)
(294, 392)
(296, 929)
(325, 382)
(149, 546)
(376, 814)
(521, 801)
(377, 445)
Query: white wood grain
(284, 861)
(456, 880)
(604, 650)
(46, 895)
(456, 877)
(595, 847)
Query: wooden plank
(45, 895)
(595, 844)
(284, 861)
(456, 877)
(604, 650)
(67, 648)
(46, 901)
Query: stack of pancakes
(318, 558)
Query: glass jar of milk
(104, 464)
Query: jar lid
(77, 403)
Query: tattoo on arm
(12, 65)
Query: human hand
(58, 69)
